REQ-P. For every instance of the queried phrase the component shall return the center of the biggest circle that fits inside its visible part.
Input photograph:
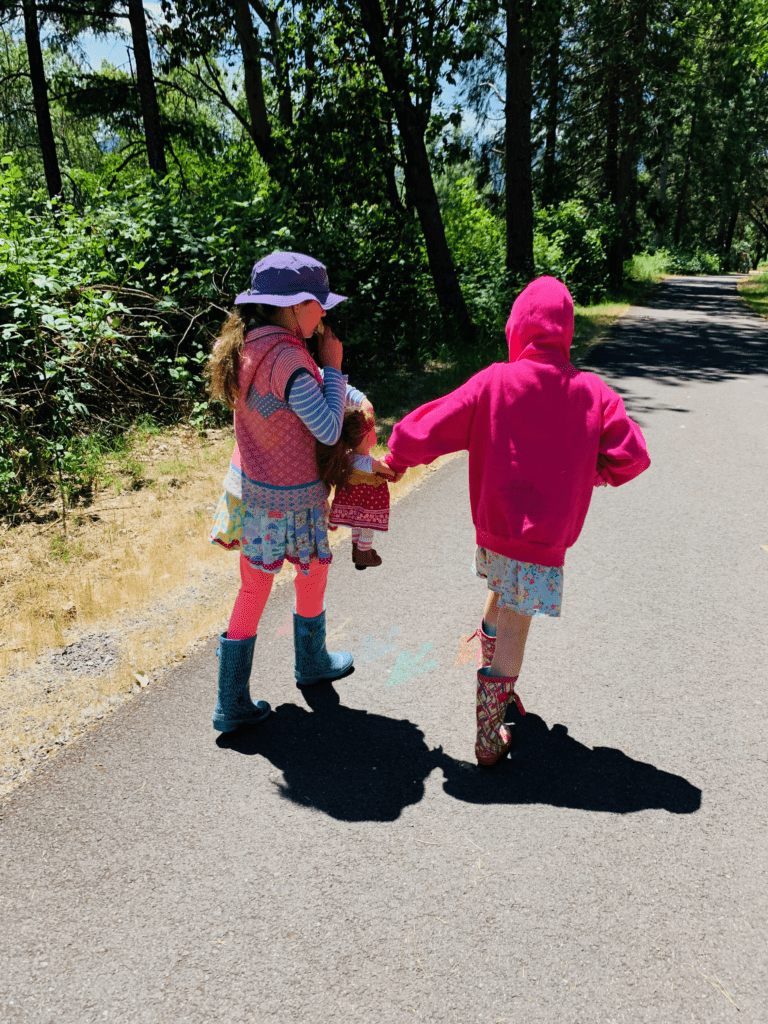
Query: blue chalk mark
(407, 666)
(373, 649)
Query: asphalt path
(346, 860)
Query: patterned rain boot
(487, 646)
(313, 662)
(493, 737)
(234, 707)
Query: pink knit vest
(273, 465)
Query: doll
(361, 500)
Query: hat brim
(327, 301)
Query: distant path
(347, 861)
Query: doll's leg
(365, 543)
(255, 587)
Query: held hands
(383, 469)
(378, 466)
(394, 475)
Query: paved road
(347, 862)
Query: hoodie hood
(541, 322)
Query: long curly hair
(333, 460)
(223, 367)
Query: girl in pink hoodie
(541, 435)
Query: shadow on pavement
(351, 764)
(700, 340)
(547, 766)
(358, 766)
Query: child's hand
(383, 468)
(395, 474)
(330, 350)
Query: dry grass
(136, 565)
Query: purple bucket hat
(286, 278)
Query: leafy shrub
(476, 239)
(646, 265)
(570, 242)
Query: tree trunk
(40, 97)
(658, 238)
(682, 197)
(611, 173)
(630, 124)
(145, 80)
(611, 163)
(735, 210)
(412, 125)
(517, 135)
(550, 119)
(310, 61)
(260, 129)
(284, 100)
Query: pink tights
(255, 587)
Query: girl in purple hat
(274, 506)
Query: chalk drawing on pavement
(469, 649)
(373, 648)
(407, 666)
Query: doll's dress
(364, 502)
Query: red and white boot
(494, 738)
(487, 646)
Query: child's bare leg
(491, 613)
(511, 634)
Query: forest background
(434, 154)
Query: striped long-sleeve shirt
(318, 408)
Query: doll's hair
(223, 366)
(333, 460)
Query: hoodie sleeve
(434, 429)
(622, 455)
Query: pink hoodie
(540, 434)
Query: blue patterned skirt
(268, 539)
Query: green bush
(570, 242)
(647, 265)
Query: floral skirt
(525, 587)
(268, 539)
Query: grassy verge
(754, 290)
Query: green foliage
(647, 266)
(570, 242)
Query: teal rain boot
(313, 662)
(234, 706)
